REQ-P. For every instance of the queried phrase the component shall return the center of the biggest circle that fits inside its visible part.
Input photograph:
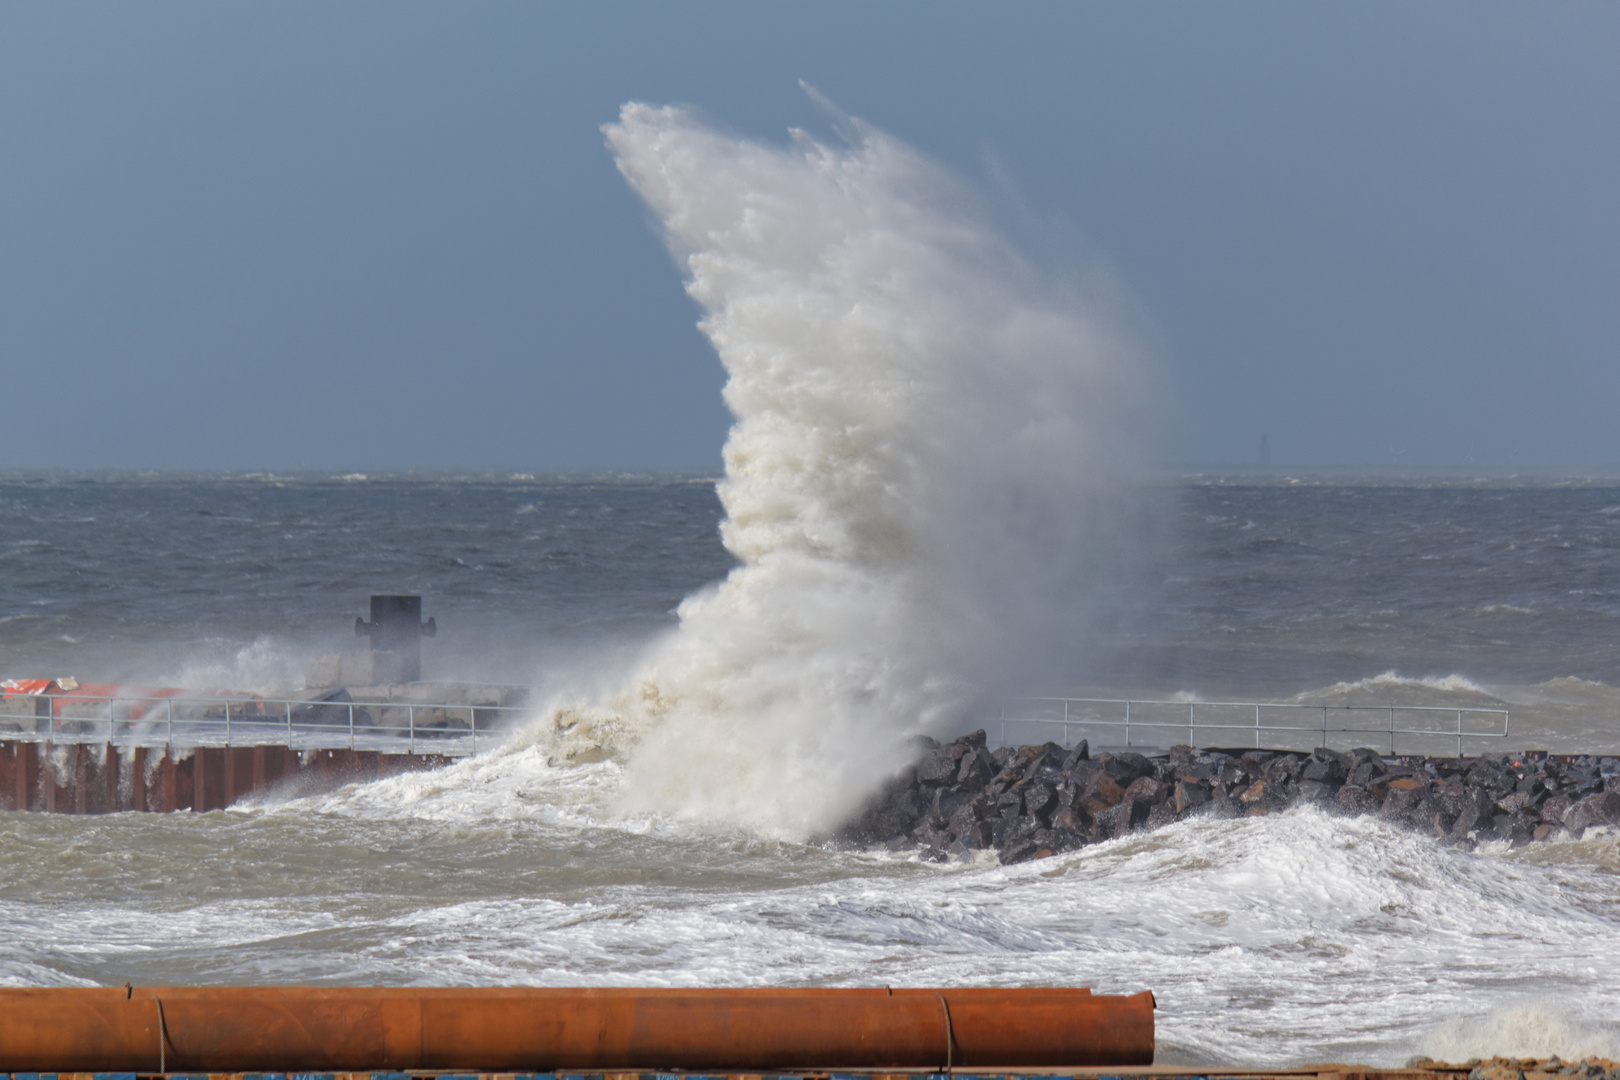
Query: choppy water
(1287, 939)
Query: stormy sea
(937, 496)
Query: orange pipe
(308, 1029)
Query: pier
(79, 751)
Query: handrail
(244, 720)
(1192, 723)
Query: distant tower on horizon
(1265, 452)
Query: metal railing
(304, 724)
(1115, 713)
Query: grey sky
(388, 235)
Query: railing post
(227, 722)
(1190, 740)
(410, 712)
(351, 725)
(1392, 731)
(1065, 723)
(1257, 725)
(1324, 727)
(1003, 721)
(1127, 725)
(472, 722)
(1459, 733)
(169, 708)
(289, 723)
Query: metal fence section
(393, 727)
(1250, 719)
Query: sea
(1290, 939)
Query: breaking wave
(922, 486)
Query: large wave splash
(925, 461)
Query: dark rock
(1327, 767)
(1453, 796)
(1198, 771)
(1449, 768)
(1357, 800)
(970, 813)
(1555, 808)
(1080, 753)
(1048, 839)
(1189, 795)
(1021, 851)
(1517, 829)
(1483, 824)
(1100, 793)
(1532, 784)
(1231, 774)
(1127, 766)
(1030, 801)
(976, 836)
(1314, 791)
(1513, 802)
(1008, 829)
(1077, 822)
(1040, 800)
(1160, 815)
(1069, 839)
(1402, 801)
(937, 766)
(1147, 789)
(1601, 809)
(1107, 823)
(1051, 757)
(1282, 770)
(947, 801)
(976, 768)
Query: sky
(313, 235)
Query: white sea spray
(923, 486)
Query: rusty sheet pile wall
(91, 778)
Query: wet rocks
(1503, 1068)
(1029, 802)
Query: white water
(1288, 939)
(921, 484)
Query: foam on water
(1533, 1029)
(1287, 939)
(1411, 687)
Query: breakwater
(1029, 802)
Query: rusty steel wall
(99, 778)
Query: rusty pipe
(294, 1029)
